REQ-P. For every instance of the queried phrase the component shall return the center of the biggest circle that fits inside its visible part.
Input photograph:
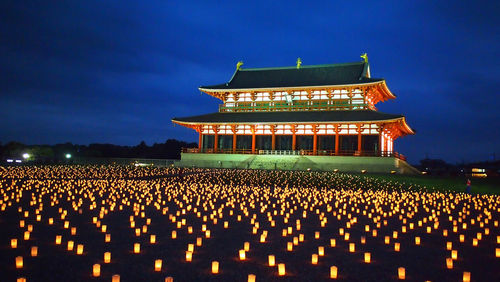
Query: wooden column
(253, 139)
(233, 128)
(200, 141)
(273, 137)
(315, 139)
(294, 137)
(337, 140)
(359, 139)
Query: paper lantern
(454, 254)
(13, 243)
(73, 231)
(107, 257)
(321, 251)
(21, 279)
(207, 234)
(137, 248)
(449, 263)
(462, 238)
(96, 270)
(352, 247)
(152, 239)
(70, 245)
(314, 259)
(226, 224)
(191, 247)
(34, 251)
(174, 234)
(333, 243)
(79, 249)
(466, 276)
(251, 278)
(281, 269)
(271, 260)
(316, 235)
(107, 238)
(246, 246)
(396, 247)
(289, 246)
(115, 278)
(26, 235)
(333, 272)
(387, 240)
(497, 252)
(189, 256)
(215, 267)
(417, 240)
(448, 246)
(19, 262)
(199, 241)
(58, 239)
(169, 279)
(158, 264)
(242, 254)
(367, 257)
(401, 273)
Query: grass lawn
(440, 183)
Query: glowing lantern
(115, 278)
(199, 241)
(73, 230)
(448, 246)
(281, 269)
(474, 242)
(189, 256)
(462, 238)
(333, 243)
(246, 246)
(137, 248)
(242, 254)
(107, 257)
(316, 235)
(314, 259)
(466, 276)
(497, 252)
(58, 239)
(34, 251)
(401, 273)
(79, 249)
(289, 246)
(21, 279)
(158, 264)
(13, 243)
(396, 247)
(26, 235)
(251, 277)
(215, 267)
(107, 238)
(70, 245)
(169, 279)
(352, 247)
(271, 260)
(333, 272)
(454, 254)
(321, 251)
(19, 262)
(367, 257)
(449, 263)
(152, 239)
(96, 270)
(417, 240)
(191, 247)
(387, 240)
(174, 234)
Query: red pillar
(234, 142)
(359, 140)
(216, 141)
(200, 140)
(337, 140)
(253, 140)
(273, 141)
(315, 140)
(294, 138)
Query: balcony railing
(299, 152)
(286, 107)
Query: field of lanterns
(110, 223)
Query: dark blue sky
(118, 71)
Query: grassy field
(437, 183)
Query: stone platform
(298, 162)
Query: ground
(268, 209)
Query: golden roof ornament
(238, 65)
(299, 62)
(365, 57)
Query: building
(325, 114)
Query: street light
(68, 156)
(26, 156)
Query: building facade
(320, 110)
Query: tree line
(171, 149)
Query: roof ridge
(302, 66)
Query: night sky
(118, 71)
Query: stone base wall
(288, 162)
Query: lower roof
(289, 117)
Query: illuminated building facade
(321, 110)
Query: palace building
(320, 117)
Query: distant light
(10, 161)
(26, 156)
(68, 156)
(19, 161)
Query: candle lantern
(215, 267)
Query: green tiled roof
(290, 117)
(318, 75)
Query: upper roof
(289, 117)
(317, 75)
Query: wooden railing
(299, 152)
(286, 107)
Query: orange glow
(137, 248)
(107, 257)
(271, 260)
(281, 269)
(215, 267)
(314, 259)
(13, 243)
(34, 251)
(242, 254)
(19, 262)
(158, 264)
(367, 257)
(333, 272)
(96, 270)
(401, 273)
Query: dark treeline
(171, 149)
(442, 168)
